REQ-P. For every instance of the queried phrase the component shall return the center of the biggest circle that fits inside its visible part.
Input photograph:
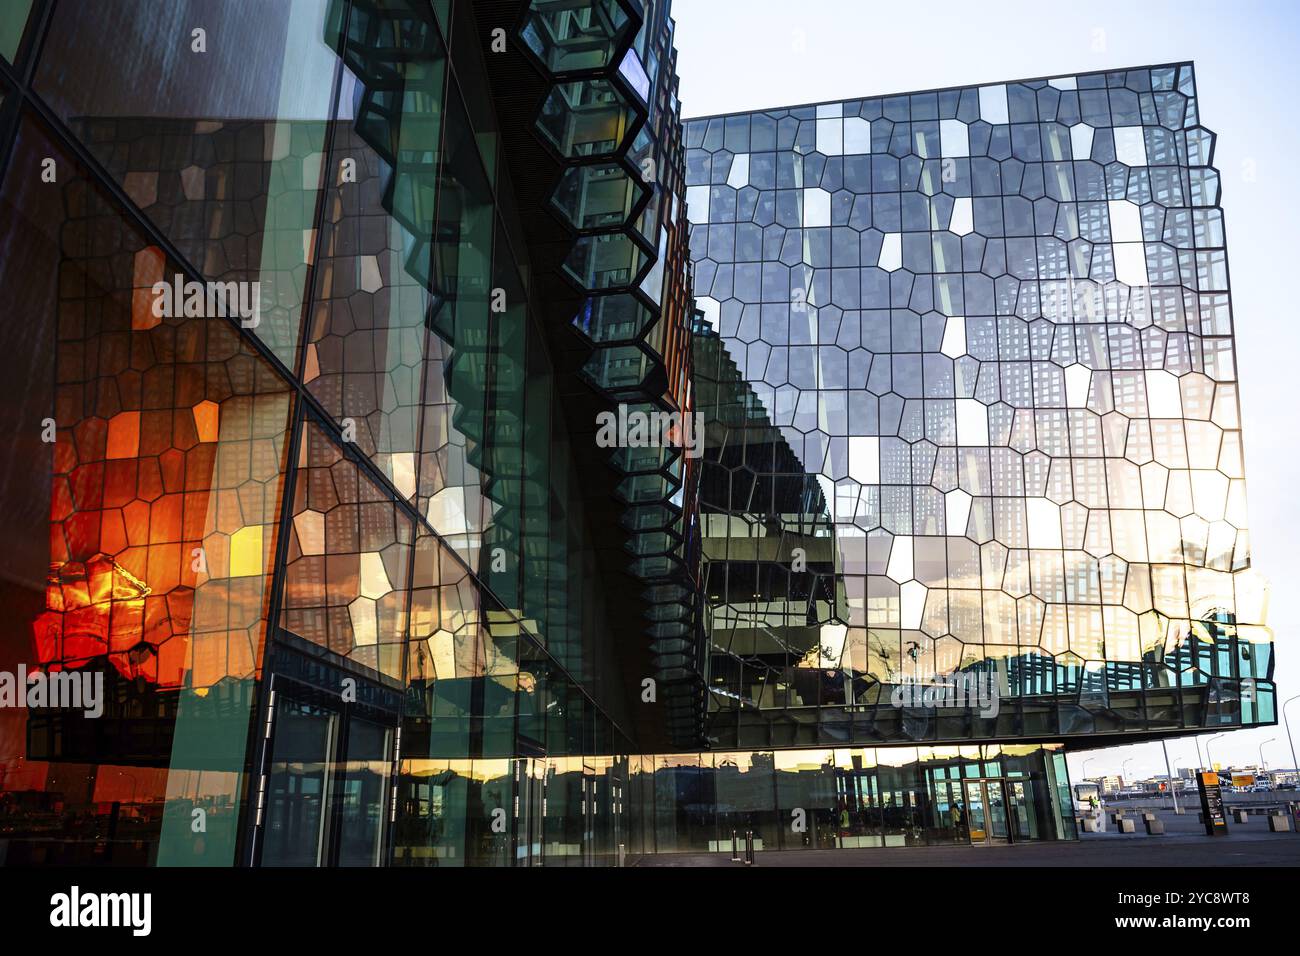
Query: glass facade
(329, 549)
(850, 798)
(967, 358)
(312, 310)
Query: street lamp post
(1123, 771)
(1209, 757)
(1169, 772)
(1289, 740)
(1083, 770)
(1262, 765)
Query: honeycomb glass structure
(362, 576)
(990, 423)
(337, 561)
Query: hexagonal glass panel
(597, 197)
(605, 262)
(635, 461)
(643, 489)
(569, 35)
(585, 118)
(650, 518)
(608, 319)
(618, 368)
(650, 543)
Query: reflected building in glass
(357, 580)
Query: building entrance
(998, 811)
(986, 812)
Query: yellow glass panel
(246, 552)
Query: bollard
(1154, 827)
(1148, 816)
(1279, 823)
(749, 848)
(1241, 816)
(735, 847)
(1126, 825)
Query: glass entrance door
(361, 792)
(976, 817)
(530, 782)
(329, 796)
(1024, 825)
(300, 780)
(999, 827)
(986, 812)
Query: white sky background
(742, 55)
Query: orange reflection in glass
(130, 505)
(126, 539)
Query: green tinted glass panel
(13, 18)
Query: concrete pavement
(1184, 844)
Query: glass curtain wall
(290, 537)
(850, 798)
(971, 352)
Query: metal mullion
(289, 480)
(251, 825)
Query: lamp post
(1262, 765)
(1123, 771)
(1169, 772)
(1083, 769)
(1209, 757)
(1289, 740)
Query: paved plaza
(1183, 844)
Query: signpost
(1216, 823)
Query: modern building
(984, 492)
(357, 580)
(1112, 783)
(925, 460)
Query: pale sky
(739, 55)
